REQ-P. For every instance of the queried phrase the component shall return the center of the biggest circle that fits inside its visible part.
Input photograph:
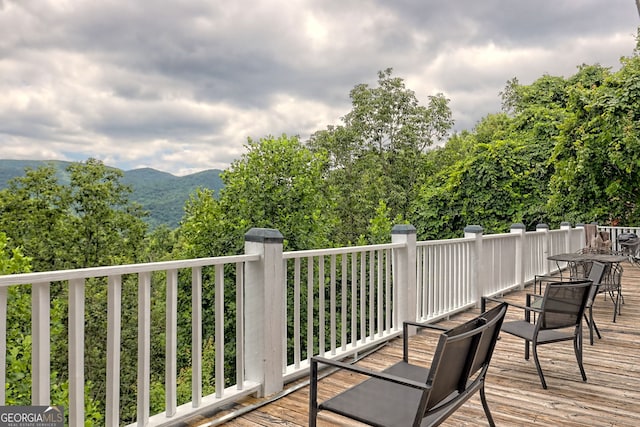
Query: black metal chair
(597, 272)
(558, 317)
(412, 395)
(611, 285)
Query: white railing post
(144, 347)
(171, 345)
(264, 287)
(76, 352)
(41, 344)
(3, 342)
(405, 281)
(520, 230)
(114, 326)
(583, 238)
(566, 226)
(477, 269)
(545, 247)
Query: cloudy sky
(179, 85)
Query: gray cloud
(179, 86)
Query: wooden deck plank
(515, 396)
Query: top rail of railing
(85, 273)
(340, 251)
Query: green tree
(107, 228)
(494, 176)
(12, 261)
(85, 223)
(380, 226)
(597, 155)
(389, 118)
(378, 154)
(34, 212)
(19, 341)
(354, 180)
(278, 183)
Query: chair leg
(485, 405)
(616, 305)
(313, 395)
(577, 347)
(592, 325)
(586, 319)
(538, 368)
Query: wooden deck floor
(610, 397)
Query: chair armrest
(548, 278)
(539, 279)
(423, 325)
(373, 374)
(405, 334)
(483, 302)
(528, 307)
(511, 304)
(494, 299)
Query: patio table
(573, 260)
(579, 265)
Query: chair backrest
(596, 274)
(563, 304)
(611, 279)
(461, 353)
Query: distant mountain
(12, 168)
(164, 195)
(160, 193)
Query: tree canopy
(377, 155)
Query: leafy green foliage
(567, 150)
(378, 154)
(12, 261)
(380, 225)
(276, 184)
(34, 208)
(597, 155)
(18, 384)
(19, 342)
(86, 222)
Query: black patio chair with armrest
(411, 395)
(597, 273)
(611, 284)
(558, 317)
(596, 276)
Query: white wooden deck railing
(346, 295)
(290, 306)
(445, 273)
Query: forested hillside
(164, 195)
(161, 194)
